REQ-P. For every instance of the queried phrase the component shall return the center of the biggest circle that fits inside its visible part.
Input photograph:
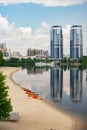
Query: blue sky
(21, 20)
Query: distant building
(76, 46)
(33, 52)
(3, 47)
(56, 43)
(16, 54)
(6, 52)
(37, 53)
(46, 52)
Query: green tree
(1, 58)
(5, 102)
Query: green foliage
(64, 60)
(1, 58)
(47, 60)
(12, 62)
(24, 62)
(19, 62)
(5, 102)
(16, 62)
(83, 61)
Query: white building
(6, 52)
(16, 54)
(3, 47)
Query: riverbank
(34, 113)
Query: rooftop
(76, 26)
(56, 26)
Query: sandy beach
(35, 114)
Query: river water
(65, 89)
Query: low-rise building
(16, 54)
(6, 52)
(33, 52)
(3, 47)
(46, 53)
(37, 53)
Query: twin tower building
(56, 42)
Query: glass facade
(76, 48)
(56, 43)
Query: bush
(5, 102)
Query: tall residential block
(56, 43)
(76, 46)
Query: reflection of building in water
(76, 84)
(56, 83)
(35, 70)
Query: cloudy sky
(26, 23)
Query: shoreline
(43, 108)
(21, 87)
(48, 103)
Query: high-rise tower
(76, 48)
(56, 43)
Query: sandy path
(34, 113)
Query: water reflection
(76, 77)
(56, 83)
(36, 70)
(61, 88)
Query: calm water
(64, 89)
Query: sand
(35, 114)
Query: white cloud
(42, 36)
(44, 28)
(22, 38)
(45, 2)
(66, 39)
